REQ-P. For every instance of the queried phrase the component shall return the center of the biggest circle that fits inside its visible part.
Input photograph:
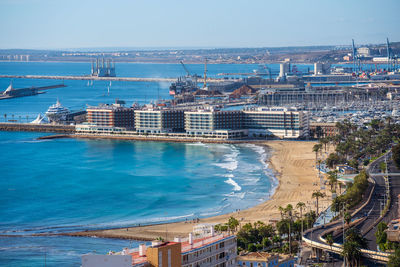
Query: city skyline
(171, 24)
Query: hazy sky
(207, 23)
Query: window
(169, 258)
(160, 258)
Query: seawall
(28, 127)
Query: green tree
(347, 217)
(233, 223)
(316, 149)
(317, 195)
(329, 240)
(332, 160)
(300, 205)
(332, 178)
(381, 236)
(252, 247)
(351, 252)
(396, 155)
(266, 242)
(394, 259)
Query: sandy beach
(294, 165)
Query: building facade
(157, 121)
(113, 115)
(214, 123)
(264, 259)
(212, 250)
(280, 122)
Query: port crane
(356, 59)
(205, 74)
(186, 69)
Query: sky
(61, 24)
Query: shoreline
(292, 163)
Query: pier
(28, 127)
(95, 78)
(11, 92)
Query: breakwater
(95, 78)
(28, 127)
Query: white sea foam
(230, 160)
(236, 187)
(196, 144)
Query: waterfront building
(214, 123)
(114, 115)
(217, 250)
(276, 121)
(264, 259)
(155, 120)
(323, 129)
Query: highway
(365, 217)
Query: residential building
(114, 115)
(209, 250)
(155, 120)
(264, 259)
(277, 121)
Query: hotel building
(113, 115)
(258, 122)
(214, 123)
(210, 250)
(278, 121)
(157, 121)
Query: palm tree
(324, 141)
(318, 195)
(288, 212)
(332, 177)
(281, 210)
(316, 149)
(300, 206)
(329, 240)
(351, 252)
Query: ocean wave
(196, 144)
(230, 160)
(236, 187)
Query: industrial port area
(240, 106)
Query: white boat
(57, 112)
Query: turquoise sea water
(67, 184)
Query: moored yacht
(57, 112)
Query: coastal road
(369, 213)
